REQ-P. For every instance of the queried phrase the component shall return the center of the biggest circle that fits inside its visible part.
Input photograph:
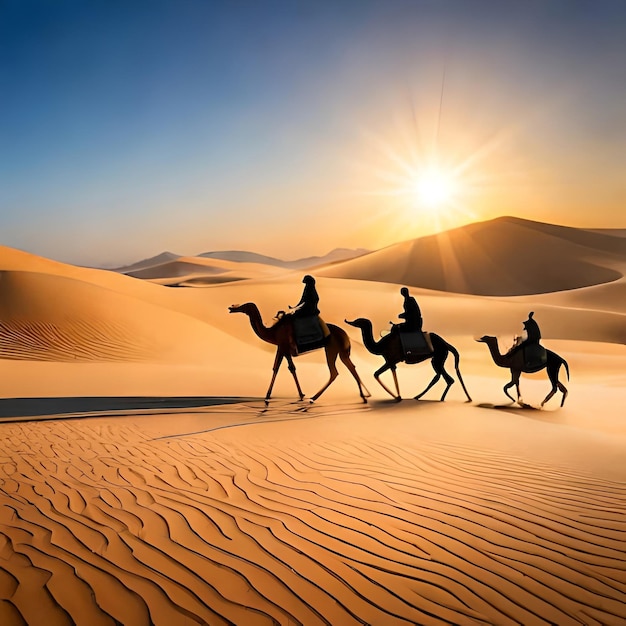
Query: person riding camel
(533, 335)
(412, 315)
(309, 300)
(307, 308)
(533, 353)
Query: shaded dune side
(102, 525)
(504, 257)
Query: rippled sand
(299, 515)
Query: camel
(337, 344)
(552, 366)
(390, 348)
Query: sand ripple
(73, 340)
(102, 524)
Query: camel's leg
(430, 384)
(553, 375)
(277, 361)
(345, 358)
(552, 392)
(331, 357)
(458, 373)
(292, 369)
(377, 374)
(449, 382)
(506, 388)
(513, 382)
(439, 372)
(395, 381)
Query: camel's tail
(457, 358)
(566, 367)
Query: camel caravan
(302, 330)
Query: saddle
(415, 345)
(528, 358)
(309, 332)
(535, 357)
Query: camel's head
(359, 322)
(486, 339)
(240, 308)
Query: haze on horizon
(293, 127)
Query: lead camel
(337, 344)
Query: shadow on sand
(18, 409)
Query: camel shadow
(526, 410)
(404, 402)
(511, 407)
(25, 409)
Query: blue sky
(132, 127)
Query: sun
(434, 188)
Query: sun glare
(434, 188)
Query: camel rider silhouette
(309, 300)
(310, 332)
(412, 315)
(534, 353)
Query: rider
(309, 300)
(307, 307)
(412, 315)
(533, 335)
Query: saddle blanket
(535, 357)
(415, 344)
(309, 332)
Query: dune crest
(501, 257)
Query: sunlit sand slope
(501, 257)
(103, 523)
(46, 317)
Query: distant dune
(159, 259)
(211, 268)
(506, 256)
(338, 254)
(501, 257)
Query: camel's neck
(498, 358)
(261, 331)
(368, 339)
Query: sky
(292, 127)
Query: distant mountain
(505, 256)
(239, 256)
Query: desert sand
(145, 481)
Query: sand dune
(185, 499)
(195, 271)
(45, 317)
(164, 257)
(239, 256)
(502, 257)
